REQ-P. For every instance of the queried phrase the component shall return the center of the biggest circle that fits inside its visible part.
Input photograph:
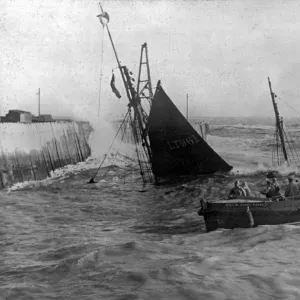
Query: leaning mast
(132, 95)
(279, 123)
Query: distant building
(42, 118)
(16, 115)
(45, 118)
(63, 119)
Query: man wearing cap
(237, 190)
(291, 190)
(269, 191)
(276, 187)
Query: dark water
(117, 239)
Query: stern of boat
(211, 218)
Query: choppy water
(64, 239)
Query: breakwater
(33, 151)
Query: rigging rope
(101, 74)
(92, 179)
(123, 135)
(288, 137)
(288, 105)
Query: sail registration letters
(181, 143)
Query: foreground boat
(245, 212)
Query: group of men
(240, 189)
(272, 189)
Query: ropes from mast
(140, 116)
(143, 159)
(289, 105)
(283, 141)
(117, 152)
(105, 155)
(101, 74)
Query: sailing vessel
(245, 212)
(167, 145)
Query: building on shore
(16, 115)
(43, 118)
(21, 116)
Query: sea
(117, 239)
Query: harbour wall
(33, 151)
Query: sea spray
(30, 151)
(102, 137)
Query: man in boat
(245, 187)
(237, 190)
(269, 191)
(276, 186)
(291, 190)
(272, 190)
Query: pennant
(104, 18)
(113, 87)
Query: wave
(115, 163)
(262, 168)
(244, 126)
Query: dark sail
(177, 148)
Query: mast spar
(177, 150)
(39, 102)
(132, 95)
(115, 52)
(279, 123)
(187, 106)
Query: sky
(220, 53)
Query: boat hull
(248, 212)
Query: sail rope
(288, 105)
(105, 155)
(117, 152)
(292, 150)
(143, 159)
(288, 139)
(101, 74)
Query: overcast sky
(219, 52)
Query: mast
(279, 123)
(187, 106)
(144, 60)
(39, 102)
(116, 55)
(132, 95)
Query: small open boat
(245, 212)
